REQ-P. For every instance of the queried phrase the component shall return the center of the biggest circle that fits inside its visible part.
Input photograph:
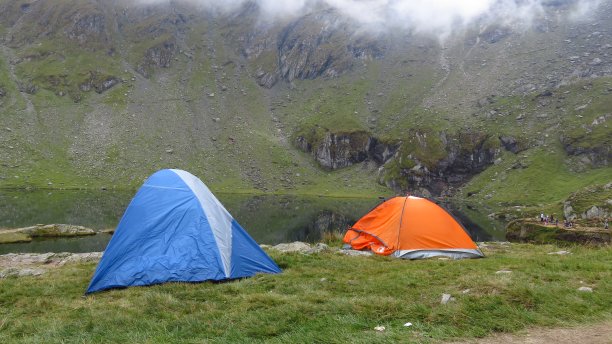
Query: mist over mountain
(438, 98)
(439, 17)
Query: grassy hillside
(108, 93)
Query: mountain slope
(103, 93)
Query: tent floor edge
(431, 253)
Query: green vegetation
(323, 297)
(205, 112)
(539, 181)
(534, 232)
(13, 237)
(62, 68)
(335, 109)
(395, 167)
(594, 195)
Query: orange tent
(412, 228)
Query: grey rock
(446, 298)
(561, 253)
(296, 246)
(500, 272)
(596, 62)
(511, 144)
(355, 253)
(15, 272)
(568, 211)
(581, 107)
(595, 212)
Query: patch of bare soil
(588, 334)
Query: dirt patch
(587, 334)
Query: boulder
(595, 212)
(568, 211)
(511, 144)
(296, 246)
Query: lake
(269, 219)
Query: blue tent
(175, 230)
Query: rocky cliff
(425, 161)
(337, 150)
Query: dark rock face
(320, 44)
(342, 150)
(453, 161)
(459, 165)
(98, 82)
(338, 150)
(267, 79)
(496, 34)
(302, 144)
(87, 27)
(598, 155)
(306, 53)
(458, 158)
(380, 151)
(592, 142)
(158, 56)
(511, 144)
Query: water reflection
(93, 209)
(268, 219)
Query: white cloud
(434, 16)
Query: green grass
(58, 66)
(13, 237)
(587, 197)
(542, 186)
(321, 298)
